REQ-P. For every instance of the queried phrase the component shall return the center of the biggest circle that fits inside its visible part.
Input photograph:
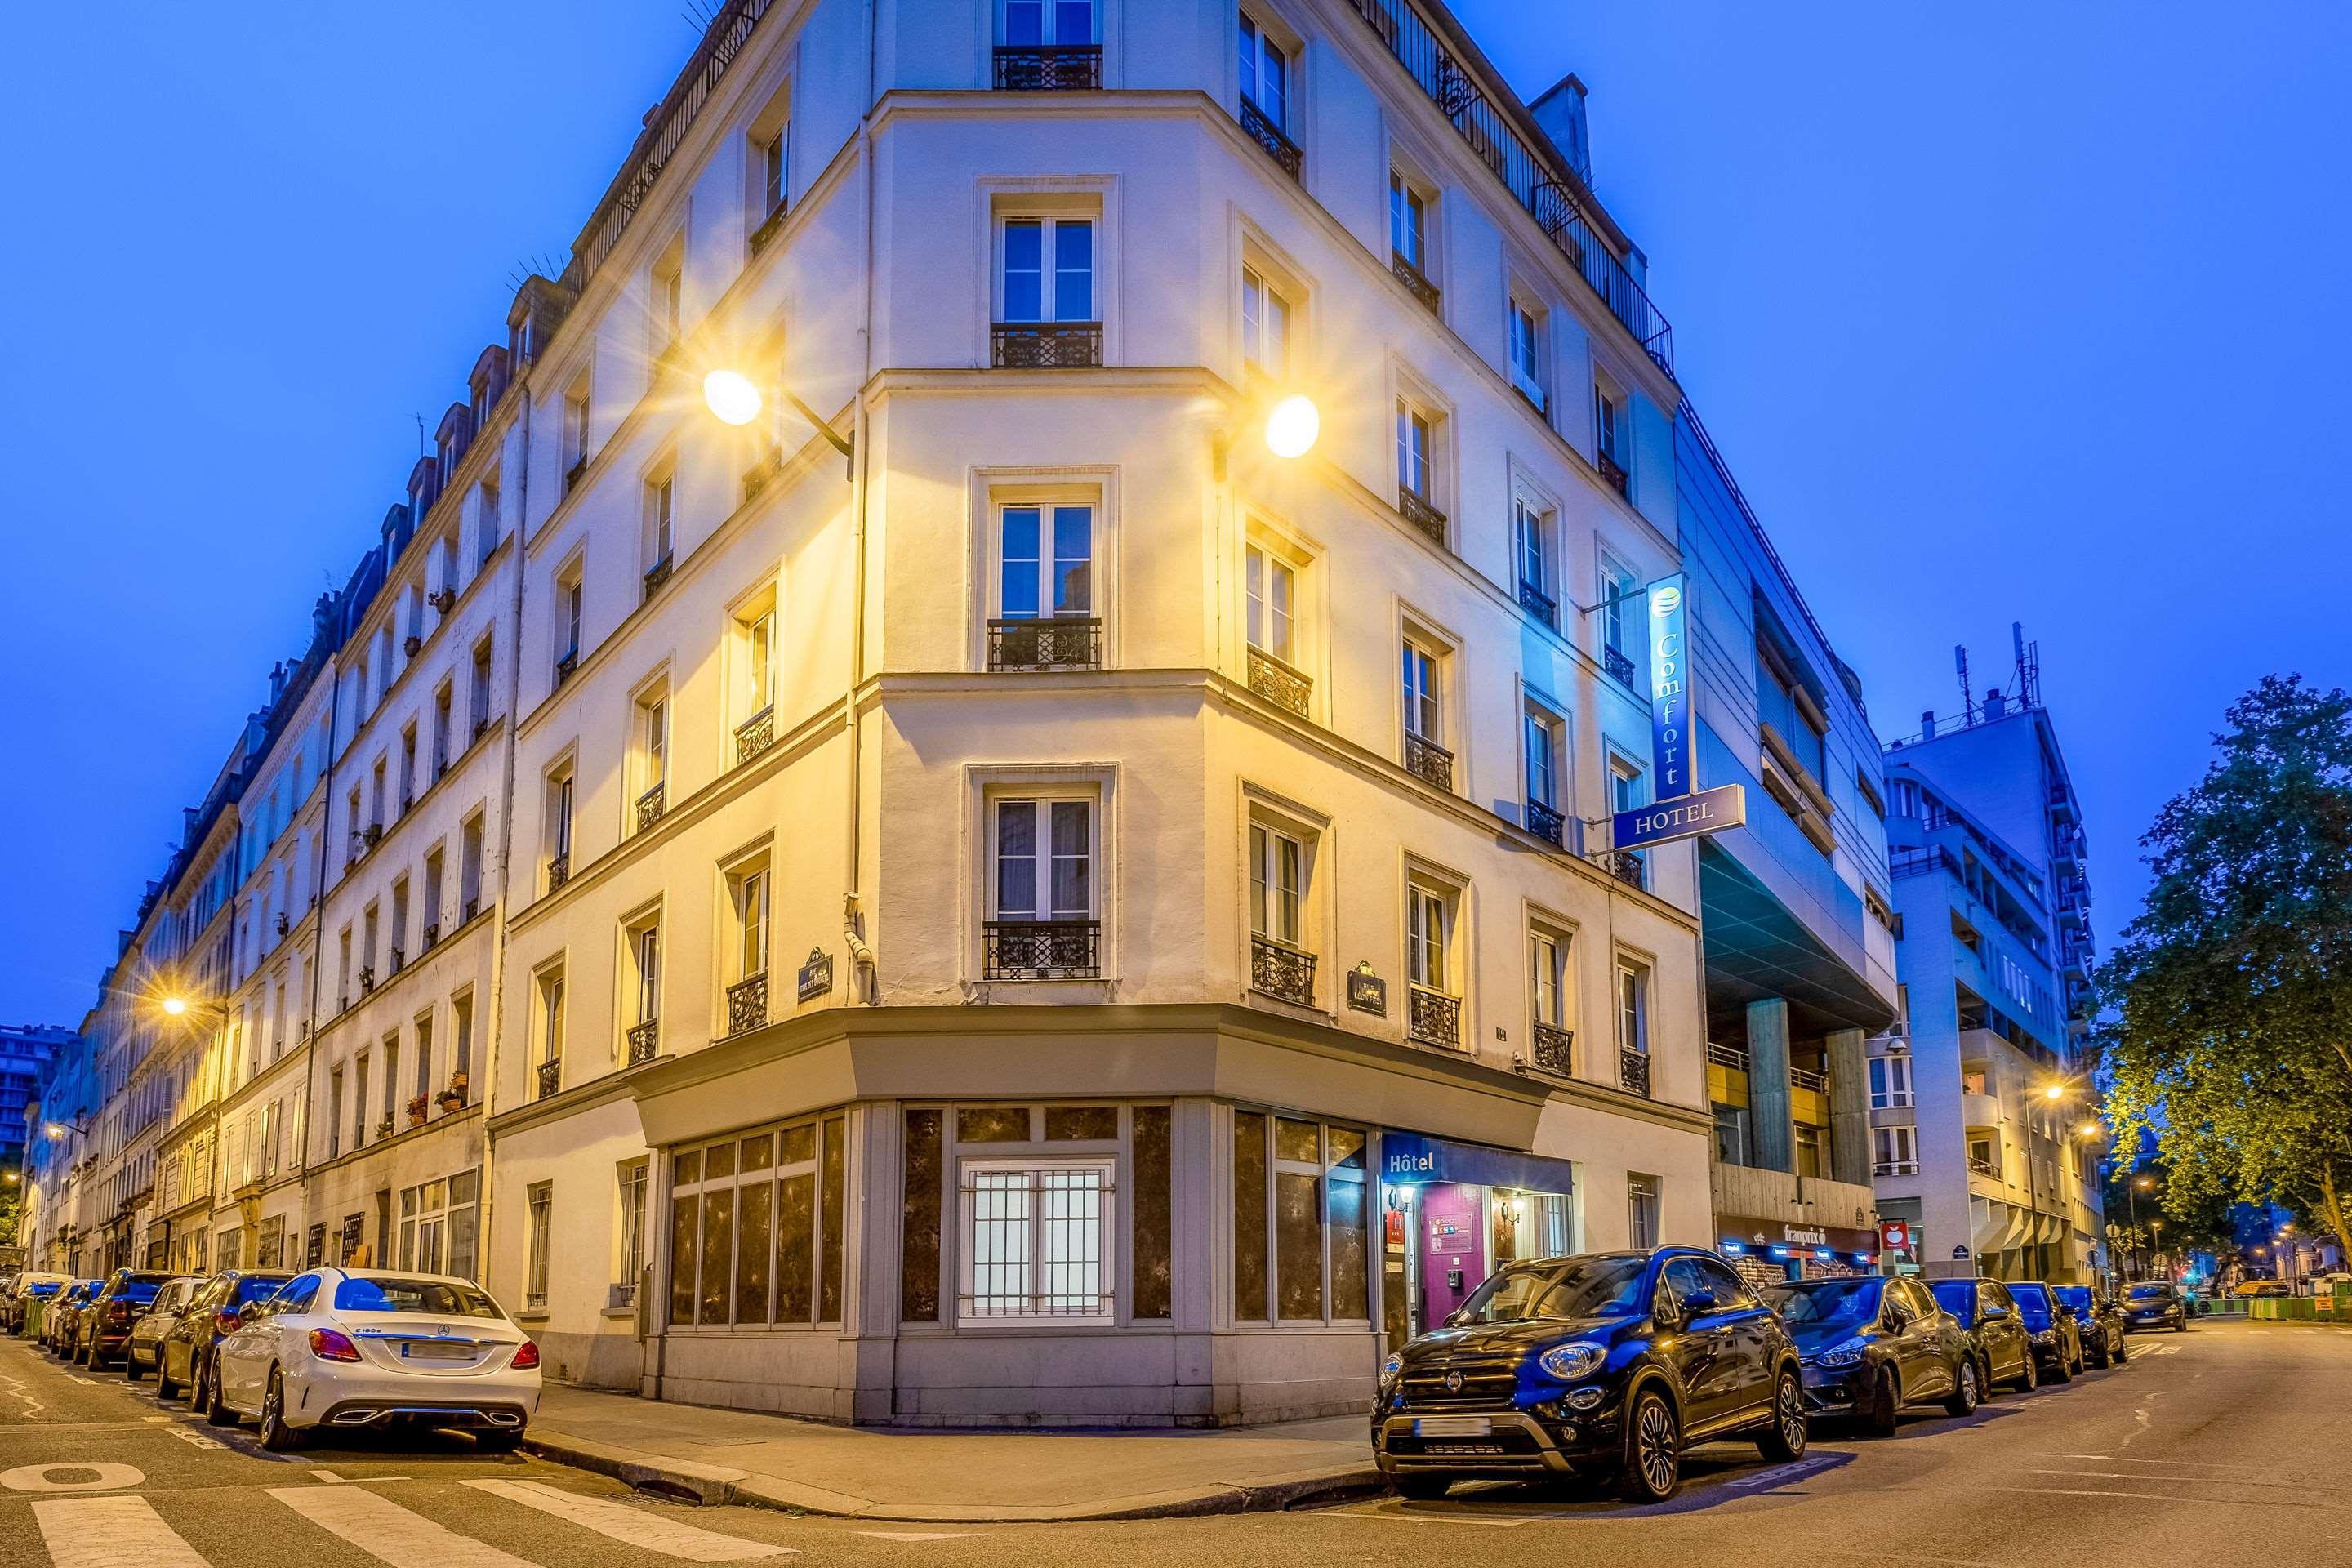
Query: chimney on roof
(1927, 725)
(1995, 704)
(1559, 110)
(277, 682)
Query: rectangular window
(1048, 562)
(1633, 1009)
(1527, 353)
(1049, 269)
(1265, 74)
(631, 1265)
(1619, 623)
(1641, 1210)
(759, 663)
(1543, 760)
(1413, 450)
(477, 695)
(1426, 918)
(1265, 327)
(1045, 859)
(1894, 1151)
(1277, 884)
(1029, 23)
(569, 599)
(486, 519)
(774, 173)
(1890, 1082)
(1533, 529)
(660, 504)
(645, 950)
(751, 901)
(469, 869)
(441, 727)
(1273, 591)
(1423, 712)
(1547, 977)
(551, 1019)
(1301, 1241)
(1408, 223)
(575, 433)
(665, 299)
(559, 829)
(541, 1224)
(1038, 1240)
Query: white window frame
(1416, 448)
(1270, 588)
(1042, 857)
(1524, 329)
(1049, 224)
(1268, 318)
(1421, 685)
(1894, 1150)
(1254, 42)
(1550, 953)
(1408, 214)
(1429, 955)
(1630, 996)
(752, 934)
(1049, 560)
(1542, 733)
(1886, 1093)
(1280, 865)
(1106, 1248)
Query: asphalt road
(2223, 1445)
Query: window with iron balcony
(1042, 923)
(1044, 590)
(1265, 94)
(1048, 46)
(1046, 317)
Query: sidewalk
(741, 1457)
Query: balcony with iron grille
(1634, 1070)
(559, 870)
(1277, 682)
(644, 1041)
(1626, 865)
(652, 804)
(1612, 473)
(656, 574)
(1620, 668)
(1048, 68)
(1428, 762)
(1416, 282)
(1547, 824)
(1045, 345)
(550, 1076)
(1262, 130)
(1538, 604)
(755, 735)
(1040, 950)
(1282, 972)
(1042, 642)
(1555, 1050)
(747, 1004)
(1433, 1017)
(1422, 516)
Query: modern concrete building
(1799, 925)
(1983, 1115)
(26, 1050)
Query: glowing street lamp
(1292, 428)
(731, 397)
(177, 1006)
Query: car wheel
(1784, 1440)
(1654, 1450)
(1420, 1487)
(132, 1371)
(2120, 1355)
(275, 1435)
(2029, 1375)
(1882, 1414)
(164, 1387)
(1966, 1392)
(2058, 1372)
(208, 1396)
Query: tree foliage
(2228, 1018)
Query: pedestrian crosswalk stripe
(633, 1526)
(111, 1532)
(383, 1529)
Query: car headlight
(1392, 1369)
(1569, 1362)
(1846, 1354)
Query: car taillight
(327, 1344)
(526, 1356)
(226, 1320)
(119, 1310)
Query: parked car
(105, 1323)
(60, 1322)
(1986, 1310)
(2154, 1304)
(183, 1356)
(1605, 1363)
(2098, 1318)
(2057, 1341)
(31, 1288)
(139, 1351)
(1870, 1345)
(341, 1348)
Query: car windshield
(1561, 1287)
(441, 1298)
(259, 1286)
(2032, 1306)
(1958, 1297)
(2150, 1292)
(1827, 1301)
(138, 1289)
(2075, 1299)
(43, 1287)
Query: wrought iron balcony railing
(656, 574)
(1612, 473)
(1046, 346)
(1626, 866)
(1279, 683)
(1415, 281)
(1634, 1070)
(1282, 972)
(644, 1041)
(1422, 516)
(559, 870)
(1547, 824)
(1040, 950)
(1263, 130)
(1428, 762)
(755, 734)
(1554, 1049)
(1058, 642)
(1538, 604)
(550, 1076)
(1433, 1017)
(1620, 668)
(747, 1003)
(1048, 68)
(651, 805)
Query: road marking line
(634, 1527)
(194, 1439)
(332, 1479)
(384, 1530)
(112, 1533)
(86, 1382)
(917, 1535)
(1796, 1469)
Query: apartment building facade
(1796, 904)
(1983, 1114)
(25, 1053)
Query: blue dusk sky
(2002, 312)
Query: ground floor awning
(1409, 1158)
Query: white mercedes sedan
(369, 1348)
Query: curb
(714, 1486)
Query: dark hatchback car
(60, 1323)
(183, 1357)
(105, 1325)
(1604, 1364)
(1871, 1345)
(2098, 1318)
(1988, 1312)
(2057, 1341)
(2153, 1304)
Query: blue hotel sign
(1405, 1157)
(1670, 774)
(1685, 816)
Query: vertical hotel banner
(1670, 748)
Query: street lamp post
(2138, 1244)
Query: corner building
(1064, 915)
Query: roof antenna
(2028, 666)
(422, 446)
(1968, 701)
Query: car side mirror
(1991, 1312)
(1698, 1301)
(1456, 1319)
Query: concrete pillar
(1850, 1158)
(1773, 1129)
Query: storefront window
(752, 1239)
(1300, 1195)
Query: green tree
(2227, 1005)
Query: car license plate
(1453, 1426)
(433, 1350)
(1463, 1448)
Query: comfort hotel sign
(1676, 811)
